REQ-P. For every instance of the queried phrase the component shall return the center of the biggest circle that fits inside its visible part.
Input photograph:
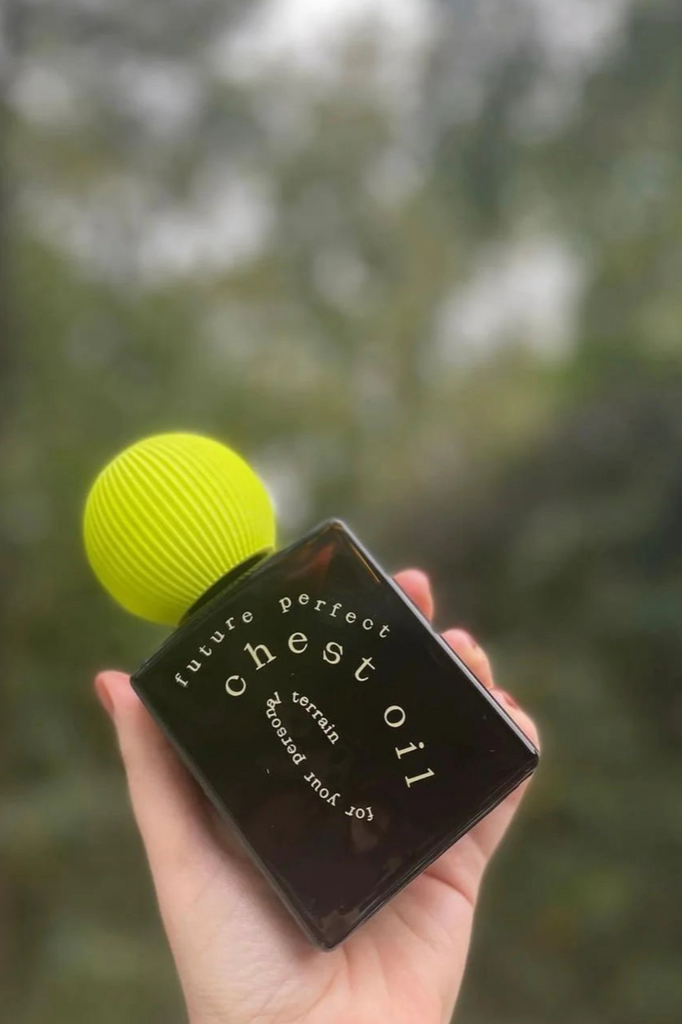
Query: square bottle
(342, 738)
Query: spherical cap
(168, 517)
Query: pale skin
(240, 958)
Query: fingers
(522, 719)
(471, 654)
(478, 661)
(489, 832)
(417, 586)
(170, 810)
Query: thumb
(170, 810)
(203, 880)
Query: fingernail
(507, 697)
(469, 638)
(418, 572)
(104, 696)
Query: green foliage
(281, 257)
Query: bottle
(344, 741)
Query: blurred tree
(571, 566)
(423, 270)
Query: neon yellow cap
(168, 517)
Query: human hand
(240, 957)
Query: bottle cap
(170, 516)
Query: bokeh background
(422, 262)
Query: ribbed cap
(168, 517)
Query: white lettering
(417, 778)
(333, 653)
(409, 750)
(391, 713)
(255, 654)
(365, 663)
(231, 689)
(298, 643)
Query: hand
(241, 960)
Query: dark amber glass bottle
(341, 737)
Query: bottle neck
(225, 582)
